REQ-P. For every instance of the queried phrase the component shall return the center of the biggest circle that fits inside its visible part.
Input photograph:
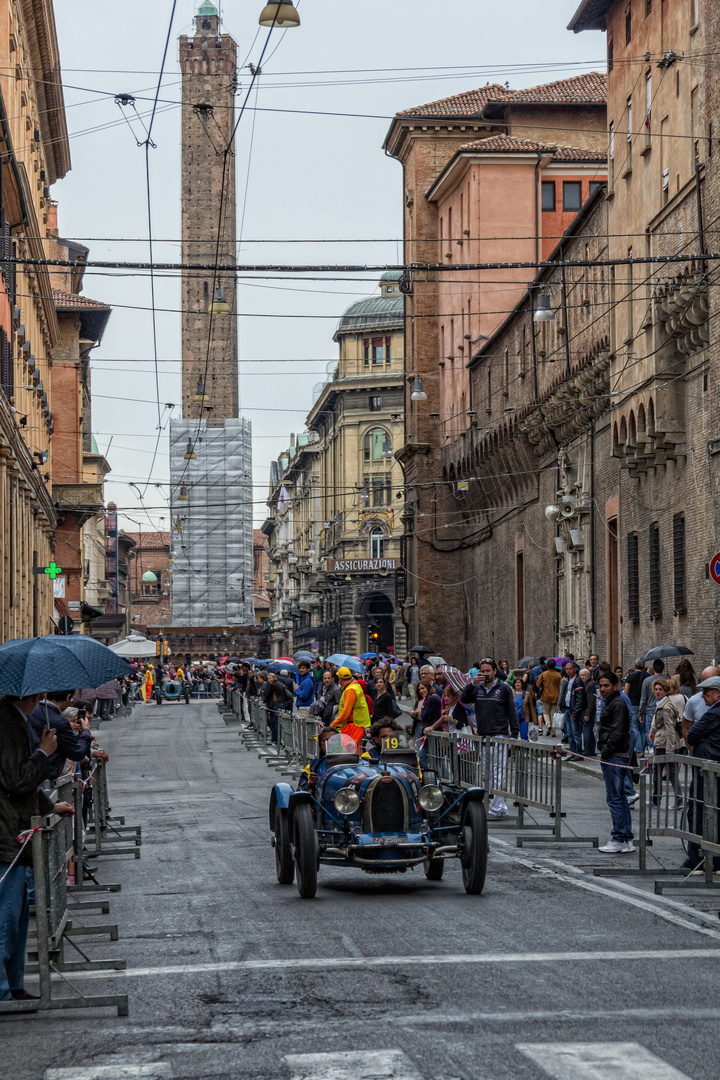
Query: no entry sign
(715, 568)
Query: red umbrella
(285, 660)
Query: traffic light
(161, 647)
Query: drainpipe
(592, 534)
(538, 163)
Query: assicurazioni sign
(360, 566)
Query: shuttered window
(654, 571)
(7, 381)
(679, 575)
(633, 578)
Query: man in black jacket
(495, 714)
(613, 739)
(22, 770)
(72, 747)
(703, 738)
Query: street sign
(66, 625)
(315, 646)
(715, 568)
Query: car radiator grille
(387, 806)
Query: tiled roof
(145, 540)
(505, 144)
(74, 300)
(470, 103)
(580, 89)
(590, 88)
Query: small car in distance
(378, 816)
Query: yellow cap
(344, 673)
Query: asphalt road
(551, 972)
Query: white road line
(599, 1061)
(572, 876)
(324, 963)
(353, 1065)
(159, 1070)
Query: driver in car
(379, 731)
(309, 778)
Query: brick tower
(210, 447)
(208, 64)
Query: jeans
(639, 731)
(672, 775)
(616, 797)
(14, 916)
(588, 738)
(272, 719)
(574, 729)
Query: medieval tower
(210, 448)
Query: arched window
(375, 441)
(377, 542)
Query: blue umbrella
(56, 662)
(368, 655)
(282, 665)
(343, 660)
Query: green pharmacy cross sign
(52, 570)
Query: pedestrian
(593, 666)
(524, 707)
(70, 747)
(504, 672)
(589, 713)
(666, 737)
(304, 689)
(634, 682)
(548, 686)
(696, 706)
(578, 707)
(614, 740)
(413, 678)
(685, 675)
(428, 709)
(385, 705)
(399, 680)
(538, 668)
(440, 679)
(22, 770)
(278, 696)
(325, 708)
(495, 715)
(648, 701)
(570, 681)
(703, 738)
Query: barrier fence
(679, 796)
(58, 854)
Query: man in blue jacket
(304, 689)
(703, 738)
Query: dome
(373, 313)
(206, 9)
(149, 578)
(392, 275)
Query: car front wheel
(306, 855)
(434, 869)
(475, 848)
(284, 865)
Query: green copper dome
(206, 8)
(149, 578)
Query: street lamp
(183, 496)
(200, 392)
(219, 305)
(543, 311)
(387, 448)
(190, 454)
(418, 391)
(283, 15)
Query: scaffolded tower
(210, 447)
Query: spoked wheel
(475, 853)
(306, 855)
(284, 865)
(434, 869)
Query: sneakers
(632, 799)
(617, 847)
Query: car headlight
(346, 801)
(431, 798)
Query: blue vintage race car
(381, 817)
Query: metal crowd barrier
(530, 776)
(295, 745)
(679, 796)
(53, 846)
(111, 834)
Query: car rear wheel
(306, 856)
(284, 865)
(474, 857)
(434, 869)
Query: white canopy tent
(134, 645)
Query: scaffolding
(211, 538)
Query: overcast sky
(300, 176)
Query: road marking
(353, 1065)
(573, 876)
(160, 1070)
(324, 963)
(599, 1061)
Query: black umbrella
(527, 660)
(661, 651)
(420, 649)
